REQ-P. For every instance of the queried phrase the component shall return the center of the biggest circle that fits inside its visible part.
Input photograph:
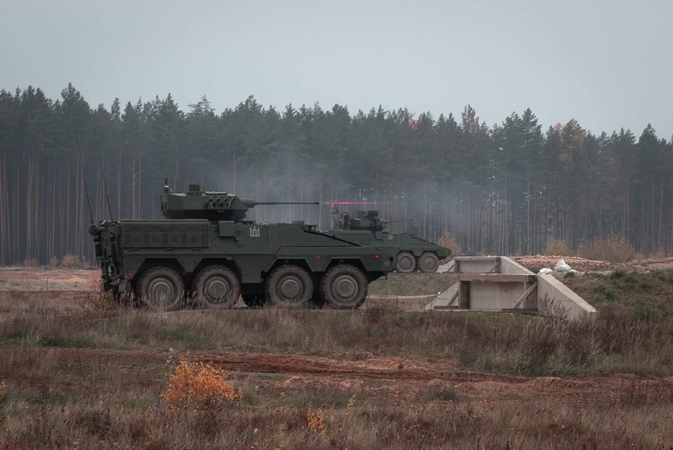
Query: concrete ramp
(497, 283)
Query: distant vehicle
(367, 228)
(205, 249)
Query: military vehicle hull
(413, 253)
(164, 263)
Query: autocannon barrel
(249, 203)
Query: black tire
(216, 287)
(254, 300)
(344, 287)
(406, 263)
(160, 288)
(428, 263)
(289, 286)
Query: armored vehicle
(367, 228)
(205, 249)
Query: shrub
(30, 262)
(199, 386)
(556, 247)
(72, 261)
(609, 249)
(447, 240)
(316, 420)
(53, 262)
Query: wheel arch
(149, 263)
(224, 262)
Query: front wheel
(217, 287)
(344, 287)
(160, 288)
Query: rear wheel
(344, 287)
(289, 286)
(216, 287)
(406, 263)
(428, 263)
(160, 288)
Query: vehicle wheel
(254, 300)
(405, 263)
(289, 286)
(344, 287)
(216, 287)
(428, 263)
(160, 288)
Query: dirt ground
(40, 279)
(401, 378)
(65, 291)
(535, 263)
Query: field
(77, 372)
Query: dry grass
(557, 248)
(447, 240)
(90, 396)
(609, 249)
(92, 404)
(475, 341)
(658, 255)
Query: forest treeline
(503, 189)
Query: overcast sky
(605, 63)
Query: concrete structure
(497, 283)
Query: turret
(367, 220)
(198, 204)
(363, 220)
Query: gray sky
(605, 63)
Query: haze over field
(604, 63)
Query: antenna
(86, 188)
(100, 163)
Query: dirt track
(362, 371)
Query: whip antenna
(100, 163)
(86, 188)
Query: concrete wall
(497, 292)
(475, 264)
(554, 297)
(486, 296)
(512, 267)
(442, 301)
